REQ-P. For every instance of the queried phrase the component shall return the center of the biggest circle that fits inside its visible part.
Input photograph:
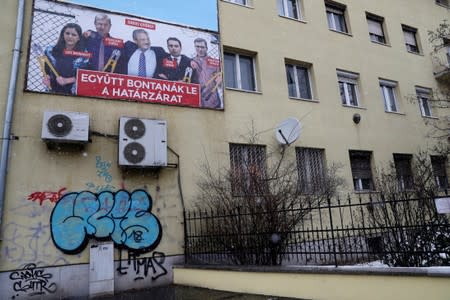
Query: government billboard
(85, 51)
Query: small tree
(261, 202)
(413, 233)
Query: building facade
(357, 74)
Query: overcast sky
(197, 13)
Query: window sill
(415, 53)
(430, 117)
(352, 106)
(341, 32)
(395, 113)
(294, 19)
(304, 99)
(238, 4)
(382, 44)
(245, 91)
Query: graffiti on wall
(142, 267)
(124, 218)
(102, 167)
(53, 197)
(32, 281)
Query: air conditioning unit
(65, 127)
(142, 142)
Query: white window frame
(336, 10)
(385, 85)
(297, 85)
(349, 78)
(372, 22)
(238, 71)
(248, 3)
(424, 94)
(285, 13)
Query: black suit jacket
(173, 73)
(129, 49)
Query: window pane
(280, 7)
(291, 81)
(392, 104)
(342, 92)
(340, 23)
(303, 81)
(351, 88)
(425, 105)
(292, 9)
(310, 169)
(247, 75)
(330, 20)
(230, 70)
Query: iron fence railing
(399, 231)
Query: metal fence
(399, 231)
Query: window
(423, 96)
(348, 88)
(443, 2)
(241, 2)
(336, 16)
(410, 39)
(376, 31)
(388, 92)
(402, 164)
(311, 171)
(239, 71)
(361, 170)
(289, 8)
(298, 79)
(439, 166)
(247, 165)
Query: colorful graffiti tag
(124, 218)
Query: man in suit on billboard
(140, 58)
(100, 43)
(174, 64)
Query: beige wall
(317, 286)
(196, 134)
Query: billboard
(81, 51)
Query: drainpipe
(10, 104)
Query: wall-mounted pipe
(10, 104)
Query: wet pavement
(177, 292)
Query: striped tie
(141, 70)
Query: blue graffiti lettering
(125, 218)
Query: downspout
(10, 104)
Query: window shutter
(375, 27)
(410, 37)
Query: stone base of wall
(71, 281)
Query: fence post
(332, 232)
(186, 251)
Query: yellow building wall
(199, 134)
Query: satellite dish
(288, 131)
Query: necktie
(175, 62)
(101, 56)
(141, 69)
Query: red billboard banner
(124, 87)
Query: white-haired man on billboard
(140, 58)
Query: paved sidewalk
(174, 292)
